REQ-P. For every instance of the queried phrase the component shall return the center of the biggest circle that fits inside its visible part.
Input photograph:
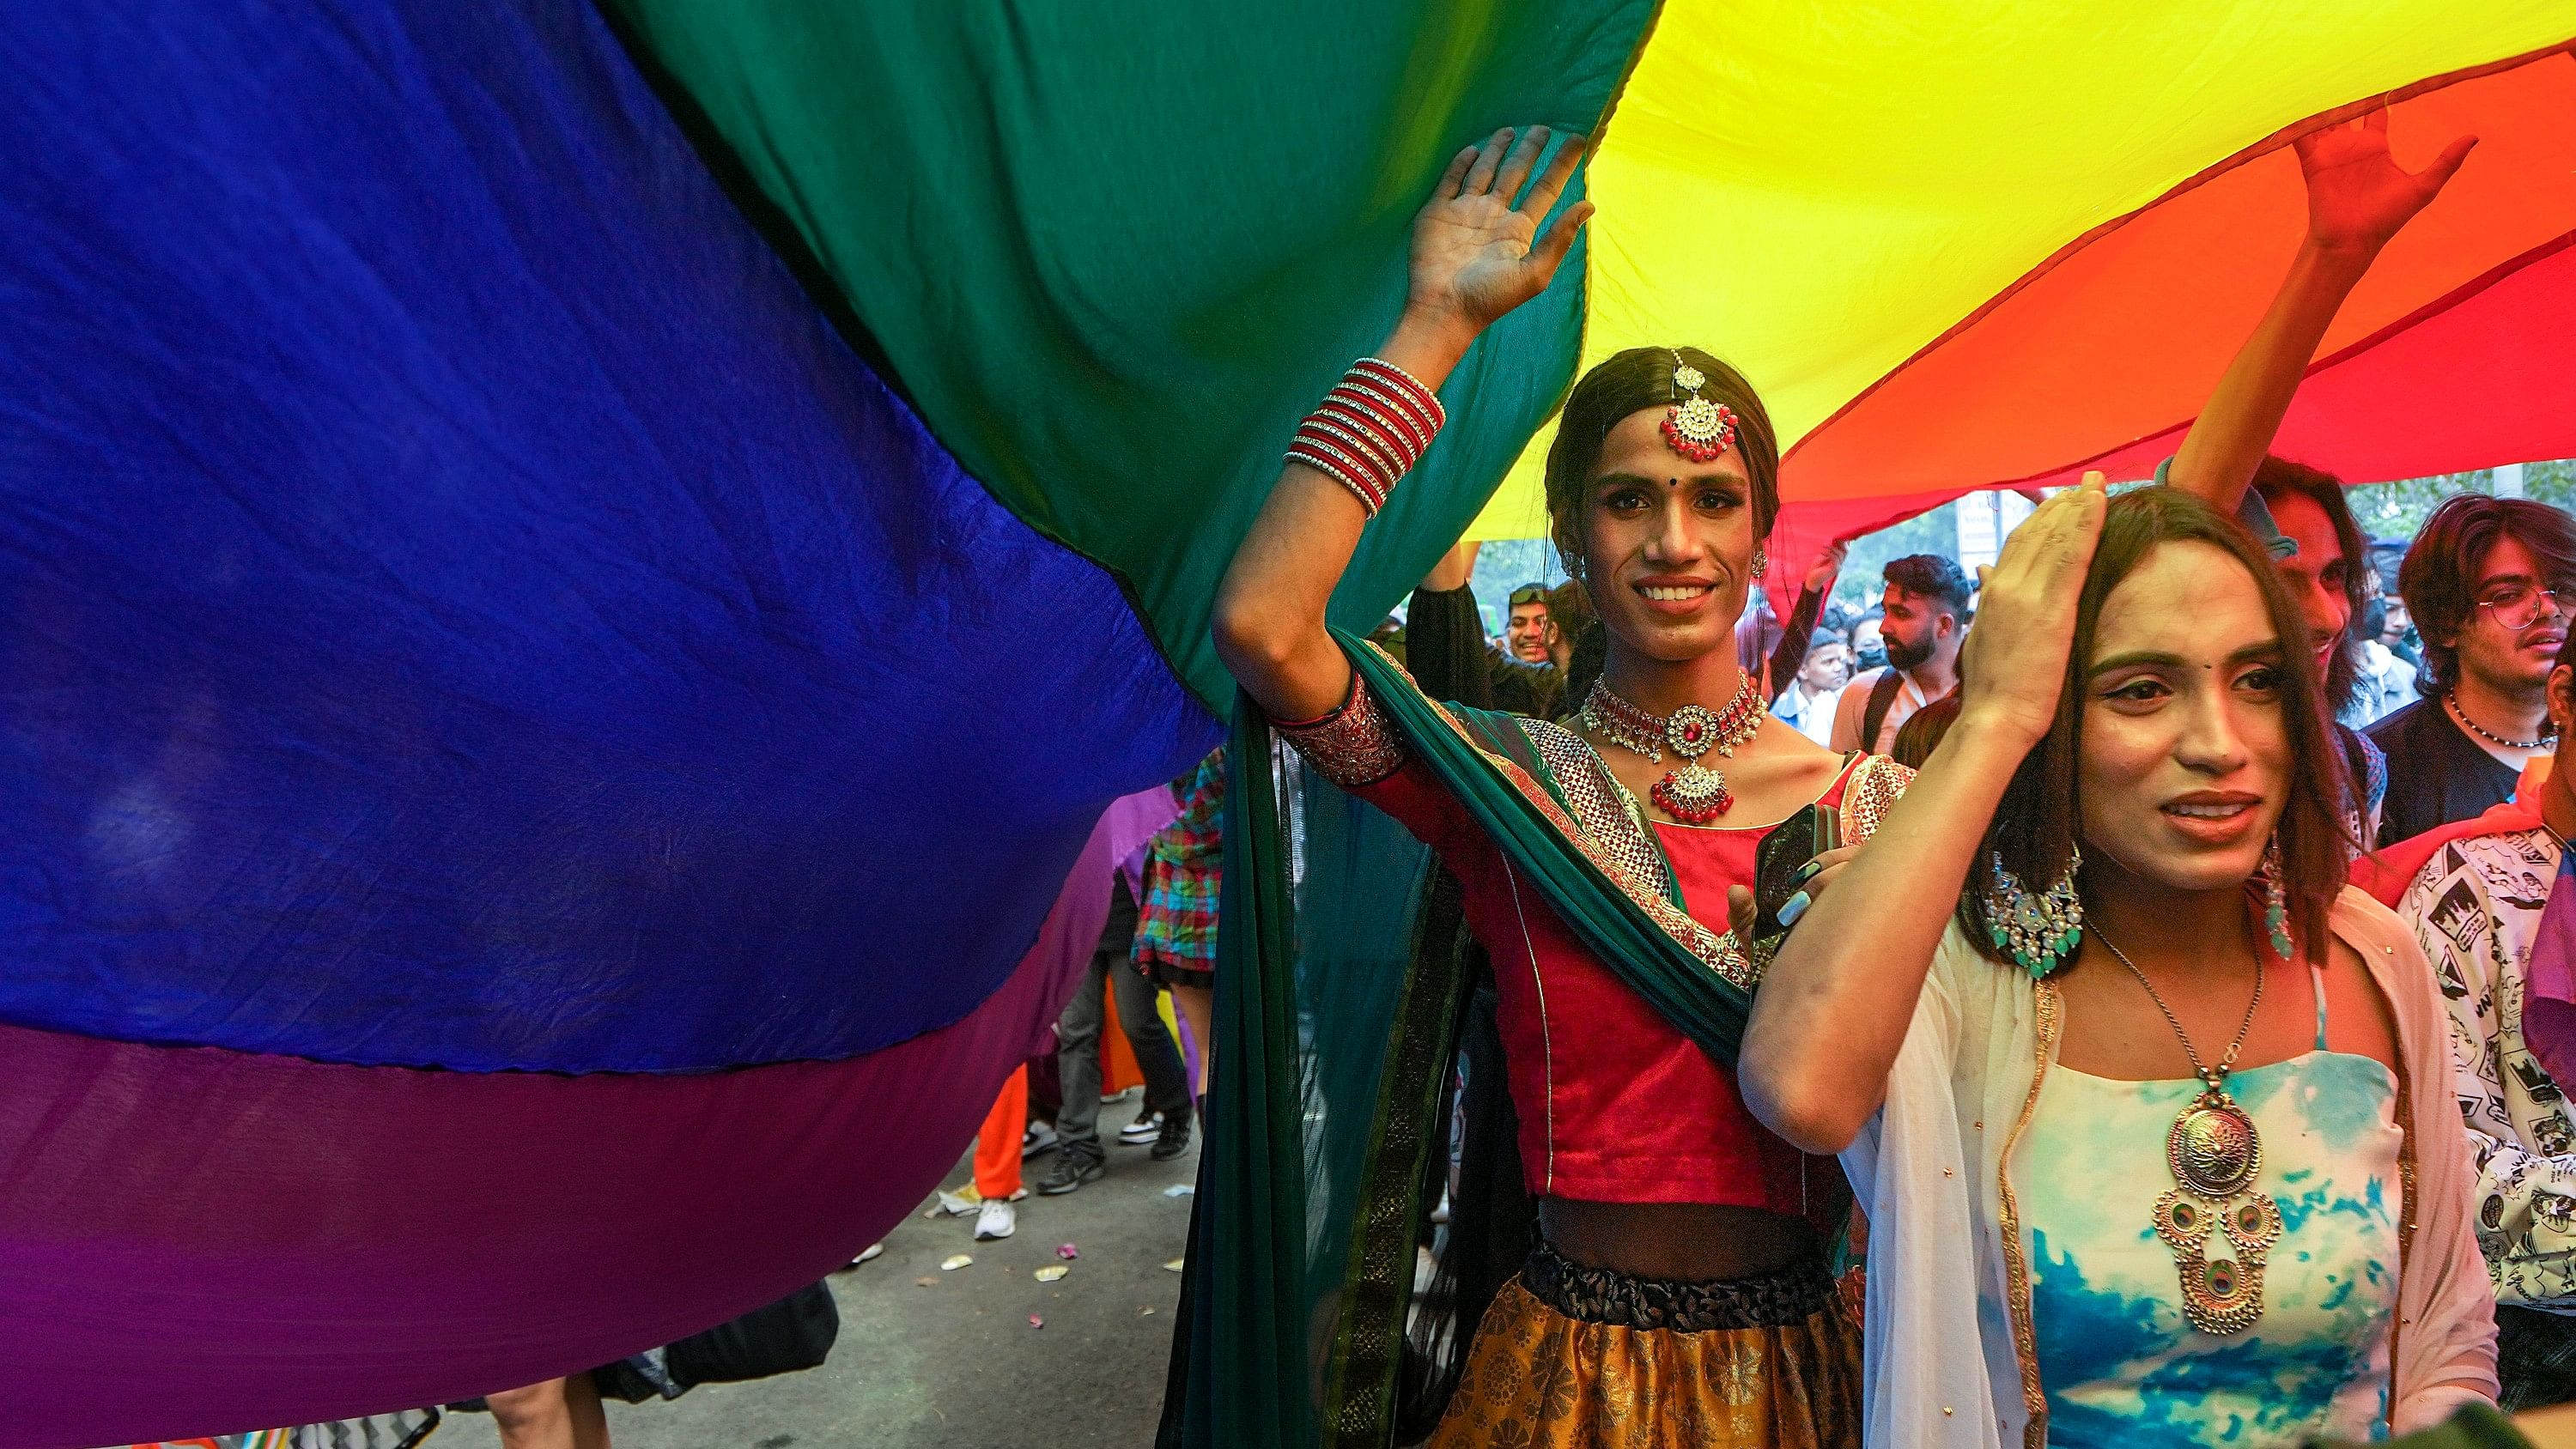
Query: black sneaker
(1174, 1139)
(1073, 1168)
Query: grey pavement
(956, 1365)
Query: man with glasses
(2484, 583)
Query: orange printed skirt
(1570, 1357)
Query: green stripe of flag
(1114, 252)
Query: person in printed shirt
(2477, 905)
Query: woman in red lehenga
(1678, 1291)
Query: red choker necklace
(1694, 793)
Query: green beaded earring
(2276, 897)
(2038, 929)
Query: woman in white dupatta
(2118, 1190)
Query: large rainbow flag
(573, 581)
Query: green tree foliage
(2396, 510)
(1861, 584)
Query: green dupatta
(1341, 966)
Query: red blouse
(1615, 1103)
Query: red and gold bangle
(1380, 413)
(1358, 437)
(1423, 400)
(1371, 429)
(1339, 466)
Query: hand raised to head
(2358, 196)
(2015, 663)
(1477, 248)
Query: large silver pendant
(2217, 1225)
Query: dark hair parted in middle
(2034, 829)
(1633, 381)
(2440, 575)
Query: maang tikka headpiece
(1694, 427)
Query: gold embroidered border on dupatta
(2050, 1010)
(1361, 747)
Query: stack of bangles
(1373, 427)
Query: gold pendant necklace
(2215, 1153)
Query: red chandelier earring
(1694, 427)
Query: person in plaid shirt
(1176, 931)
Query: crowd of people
(2158, 1036)
(2159, 1044)
(1863, 673)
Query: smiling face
(1526, 632)
(2318, 574)
(1667, 544)
(2185, 756)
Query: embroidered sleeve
(2526, 1189)
(1354, 746)
(1876, 784)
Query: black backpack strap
(1882, 697)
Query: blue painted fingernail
(1794, 907)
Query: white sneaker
(997, 1219)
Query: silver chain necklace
(2210, 1076)
(2453, 700)
(2215, 1153)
